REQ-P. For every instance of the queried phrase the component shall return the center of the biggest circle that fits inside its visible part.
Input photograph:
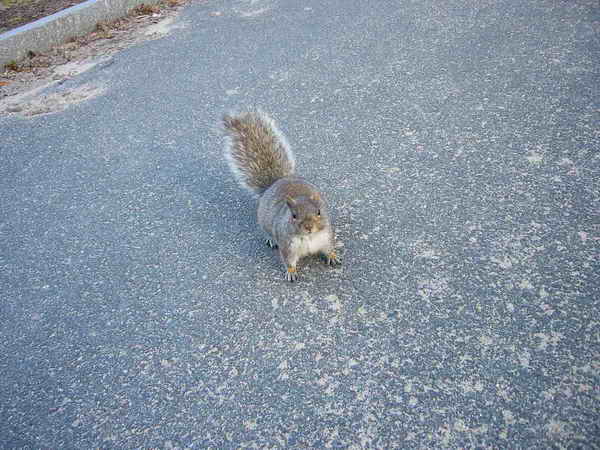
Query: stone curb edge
(45, 33)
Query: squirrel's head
(308, 214)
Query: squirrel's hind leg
(271, 242)
(269, 239)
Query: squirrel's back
(257, 152)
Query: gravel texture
(458, 145)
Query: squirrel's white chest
(310, 244)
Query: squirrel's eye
(318, 212)
(294, 216)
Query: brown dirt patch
(14, 13)
(26, 86)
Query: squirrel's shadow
(226, 214)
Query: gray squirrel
(290, 209)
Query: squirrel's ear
(290, 201)
(315, 196)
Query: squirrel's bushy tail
(257, 152)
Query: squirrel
(291, 211)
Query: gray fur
(291, 210)
(257, 152)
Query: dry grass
(12, 65)
(145, 10)
(104, 30)
(9, 3)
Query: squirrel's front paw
(291, 274)
(332, 258)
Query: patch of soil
(14, 13)
(28, 87)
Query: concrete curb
(45, 33)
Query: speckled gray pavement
(458, 143)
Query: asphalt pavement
(458, 144)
